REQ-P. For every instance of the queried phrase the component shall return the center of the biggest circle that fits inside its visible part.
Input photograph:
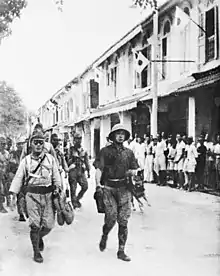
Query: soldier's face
(120, 136)
(37, 145)
(55, 142)
(77, 141)
(19, 146)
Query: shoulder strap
(35, 170)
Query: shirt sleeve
(99, 161)
(18, 179)
(195, 152)
(56, 180)
(133, 163)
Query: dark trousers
(77, 176)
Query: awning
(118, 106)
(170, 89)
(83, 118)
(203, 79)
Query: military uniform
(4, 159)
(78, 163)
(39, 191)
(114, 162)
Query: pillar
(125, 119)
(191, 117)
(105, 128)
(92, 127)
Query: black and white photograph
(110, 137)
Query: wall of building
(105, 128)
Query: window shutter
(201, 42)
(216, 32)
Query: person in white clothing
(217, 161)
(160, 160)
(148, 165)
(190, 164)
(179, 162)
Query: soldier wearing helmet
(78, 163)
(113, 165)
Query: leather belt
(40, 189)
(116, 183)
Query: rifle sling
(35, 170)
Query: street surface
(178, 235)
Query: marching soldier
(114, 164)
(47, 146)
(40, 173)
(13, 166)
(78, 163)
(4, 158)
(63, 167)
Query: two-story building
(113, 88)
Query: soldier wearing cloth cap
(41, 183)
(114, 164)
(78, 163)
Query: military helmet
(20, 140)
(37, 134)
(2, 139)
(118, 127)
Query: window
(71, 104)
(208, 40)
(108, 78)
(114, 79)
(210, 34)
(146, 75)
(164, 49)
(84, 102)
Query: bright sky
(48, 48)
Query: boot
(22, 218)
(2, 208)
(105, 230)
(8, 200)
(34, 235)
(103, 243)
(41, 244)
(43, 232)
(122, 238)
(122, 256)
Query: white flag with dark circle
(181, 19)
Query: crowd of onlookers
(178, 160)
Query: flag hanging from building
(140, 61)
(181, 19)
